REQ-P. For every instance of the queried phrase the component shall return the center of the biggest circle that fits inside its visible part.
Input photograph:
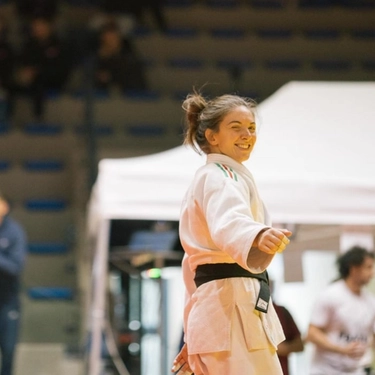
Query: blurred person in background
(13, 248)
(117, 64)
(342, 324)
(44, 64)
(7, 59)
(293, 340)
(27, 10)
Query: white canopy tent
(314, 163)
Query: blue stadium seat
(235, 68)
(273, 4)
(101, 94)
(315, 4)
(84, 3)
(50, 293)
(358, 4)
(283, 64)
(43, 165)
(41, 128)
(144, 95)
(101, 130)
(145, 130)
(228, 32)
(222, 3)
(181, 32)
(47, 248)
(185, 63)
(178, 3)
(230, 63)
(140, 31)
(368, 65)
(4, 165)
(97, 94)
(45, 204)
(4, 127)
(274, 33)
(3, 109)
(365, 34)
(321, 34)
(53, 94)
(331, 64)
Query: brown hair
(202, 114)
(3, 197)
(355, 256)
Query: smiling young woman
(230, 324)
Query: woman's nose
(246, 133)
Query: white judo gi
(221, 216)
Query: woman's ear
(211, 137)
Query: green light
(154, 273)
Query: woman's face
(236, 136)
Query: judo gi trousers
(237, 361)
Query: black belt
(216, 271)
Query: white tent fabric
(314, 162)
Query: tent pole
(99, 281)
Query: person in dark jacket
(44, 63)
(13, 248)
(7, 59)
(117, 64)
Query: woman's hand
(181, 364)
(272, 240)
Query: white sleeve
(321, 311)
(232, 226)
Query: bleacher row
(252, 60)
(124, 119)
(307, 32)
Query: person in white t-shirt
(342, 324)
(230, 324)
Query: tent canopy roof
(314, 162)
